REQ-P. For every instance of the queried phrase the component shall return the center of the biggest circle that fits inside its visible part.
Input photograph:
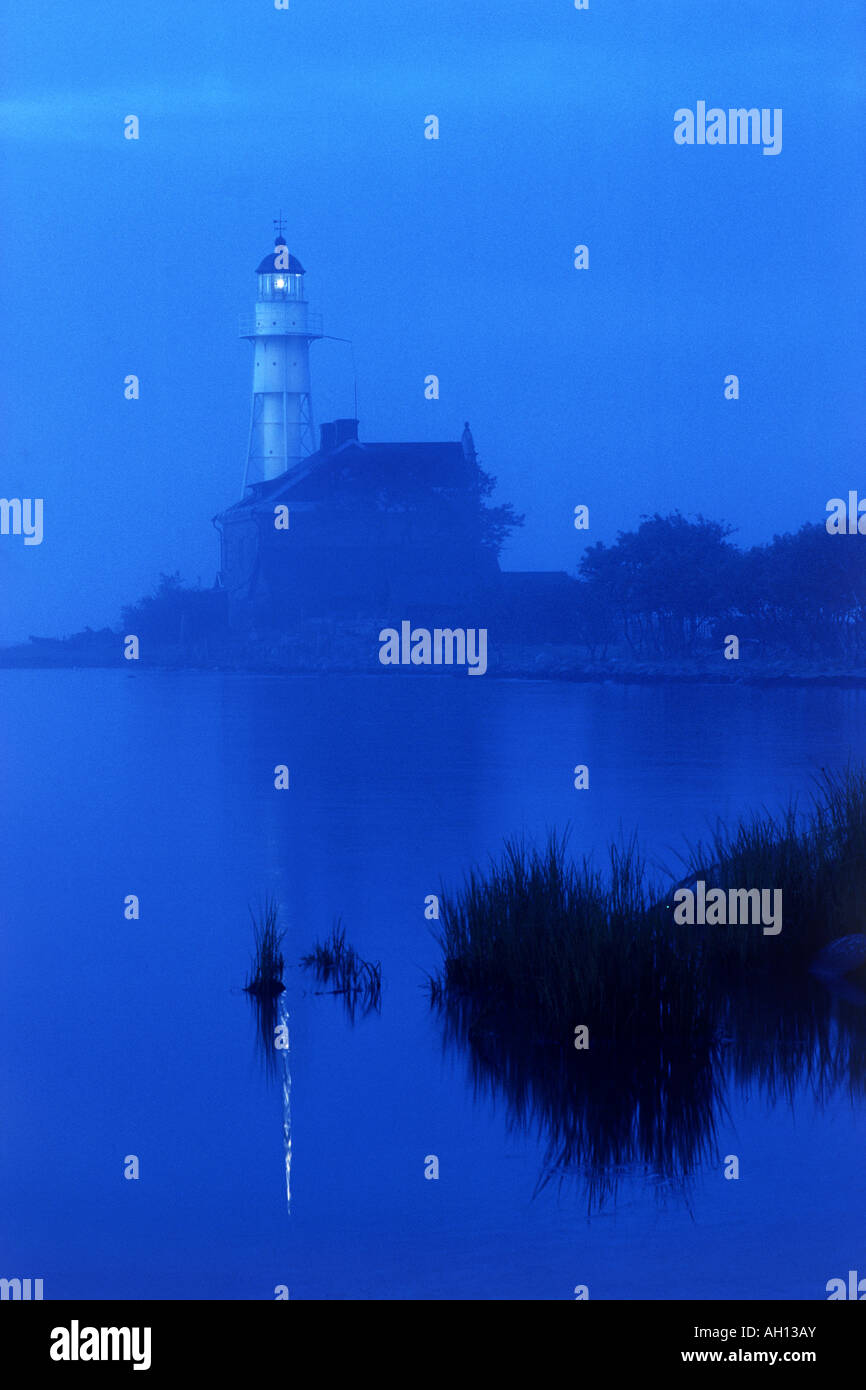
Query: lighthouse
(281, 330)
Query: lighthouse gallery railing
(257, 326)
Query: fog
(452, 257)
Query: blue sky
(451, 257)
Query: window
(281, 285)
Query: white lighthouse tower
(281, 419)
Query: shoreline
(513, 662)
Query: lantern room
(280, 275)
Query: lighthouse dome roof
(268, 264)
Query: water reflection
(604, 1114)
(357, 982)
(273, 1049)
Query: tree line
(675, 586)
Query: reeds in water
(266, 979)
(546, 944)
(538, 944)
(817, 858)
(548, 940)
(337, 963)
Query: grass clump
(337, 963)
(266, 979)
(549, 944)
(817, 858)
(538, 944)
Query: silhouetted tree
(496, 523)
(667, 582)
(673, 585)
(805, 591)
(175, 614)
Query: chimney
(328, 438)
(346, 429)
(468, 444)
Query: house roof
(294, 266)
(393, 466)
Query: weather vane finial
(278, 223)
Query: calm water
(124, 1038)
